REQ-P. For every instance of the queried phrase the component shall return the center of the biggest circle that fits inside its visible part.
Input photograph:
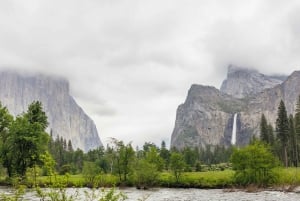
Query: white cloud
(130, 63)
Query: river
(166, 194)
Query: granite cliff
(206, 116)
(65, 117)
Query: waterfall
(233, 136)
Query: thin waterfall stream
(233, 136)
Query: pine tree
(292, 142)
(264, 131)
(271, 135)
(297, 130)
(282, 130)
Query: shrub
(254, 164)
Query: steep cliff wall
(206, 117)
(65, 117)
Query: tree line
(25, 145)
(284, 140)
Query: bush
(254, 164)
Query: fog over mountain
(130, 63)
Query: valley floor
(288, 179)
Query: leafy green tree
(254, 164)
(5, 123)
(146, 173)
(48, 165)
(177, 165)
(152, 156)
(148, 145)
(27, 142)
(90, 171)
(124, 156)
(282, 130)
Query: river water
(166, 194)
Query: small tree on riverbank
(177, 165)
(254, 165)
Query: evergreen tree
(70, 147)
(292, 148)
(35, 114)
(282, 130)
(297, 130)
(264, 130)
(165, 154)
(271, 135)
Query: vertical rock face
(65, 117)
(206, 117)
(242, 83)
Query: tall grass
(288, 176)
(211, 179)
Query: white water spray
(233, 136)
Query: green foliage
(153, 157)
(190, 156)
(90, 171)
(36, 114)
(282, 130)
(56, 194)
(48, 164)
(165, 155)
(177, 165)
(111, 195)
(292, 143)
(26, 141)
(17, 195)
(124, 158)
(146, 174)
(210, 179)
(297, 131)
(254, 165)
(5, 123)
(264, 130)
(288, 176)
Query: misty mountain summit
(213, 117)
(66, 119)
(243, 82)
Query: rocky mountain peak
(231, 69)
(245, 82)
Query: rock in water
(207, 115)
(65, 117)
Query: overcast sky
(130, 63)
